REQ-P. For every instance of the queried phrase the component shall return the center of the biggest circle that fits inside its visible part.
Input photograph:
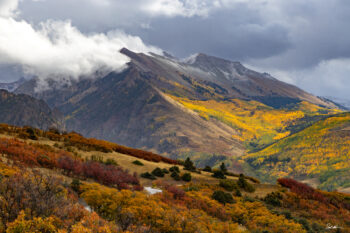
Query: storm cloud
(306, 43)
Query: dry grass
(126, 162)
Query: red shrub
(104, 174)
(303, 189)
(177, 192)
(27, 154)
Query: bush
(273, 198)
(228, 185)
(75, 185)
(31, 133)
(287, 214)
(249, 199)
(138, 163)
(104, 174)
(165, 171)
(174, 169)
(186, 177)
(175, 176)
(177, 193)
(207, 169)
(188, 165)
(243, 183)
(148, 175)
(223, 168)
(111, 162)
(238, 193)
(158, 172)
(219, 175)
(223, 197)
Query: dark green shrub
(138, 163)
(223, 168)
(238, 193)
(273, 198)
(249, 199)
(287, 214)
(75, 185)
(158, 172)
(207, 169)
(223, 197)
(186, 177)
(111, 162)
(175, 176)
(228, 185)
(32, 134)
(304, 223)
(148, 175)
(165, 171)
(219, 175)
(243, 183)
(174, 169)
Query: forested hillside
(62, 182)
(320, 151)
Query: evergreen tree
(188, 165)
(223, 168)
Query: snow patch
(191, 59)
(153, 190)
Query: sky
(306, 43)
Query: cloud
(328, 78)
(57, 50)
(8, 7)
(289, 39)
(172, 8)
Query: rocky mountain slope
(20, 109)
(136, 107)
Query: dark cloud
(222, 34)
(298, 41)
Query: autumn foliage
(89, 144)
(104, 174)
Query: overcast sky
(306, 43)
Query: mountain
(148, 106)
(21, 110)
(13, 85)
(318, 154)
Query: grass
(126, 162)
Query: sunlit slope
(320, 151)
(258, 125)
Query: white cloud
(57, 50)
(184, 8)
(328, 78)
(8, 8)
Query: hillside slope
(63, 182)
(320, 151)
(25, 110)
